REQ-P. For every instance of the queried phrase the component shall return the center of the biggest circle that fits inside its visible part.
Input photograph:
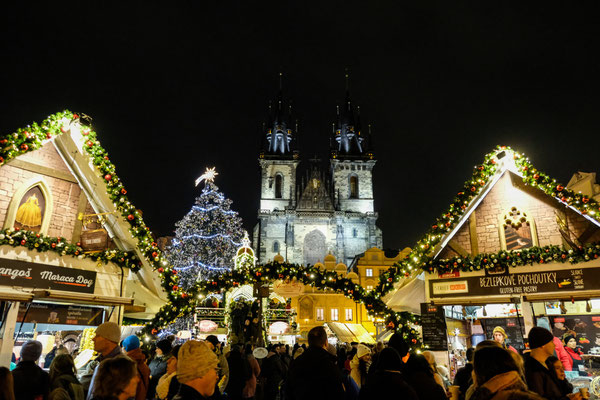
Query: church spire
(347, 131)
(280, 129)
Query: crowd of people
(206, 370)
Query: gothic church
(306, 217)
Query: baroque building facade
(306, 211)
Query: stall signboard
(42, 276)
(45, 313)
(586, 327)
(513, 327)
(501, 282)
(433, 323)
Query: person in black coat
(30, 381)
(463, 375)
(419, 376)
(385, 379)
(314, 375)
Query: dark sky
(174, 89)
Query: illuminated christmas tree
(207, 238)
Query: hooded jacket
(144, 372)
(506, 386)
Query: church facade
(307, 211)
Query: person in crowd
(342, 356)
(298, 352)
(375, 352)
(106, 342)
(63, 379)
(169, 380)
(197, 374)
(481, 345)
(558, 372)
(419, 376)
(56, 350)
(462, 379)
(386, 379)
(359, 366)
(131, 345)
(500, 336)
(250, 387)
(6, 384)
(116, 378)
(272, 373)
(213, 343)
(539, 378)
(430, 357)
(239, 373)
(30, 381)
(314, 375)
(497, 376)
(575, 361)
(284, 354)
(158, 365)
(349, 357)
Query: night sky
(174, 90)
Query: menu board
(433, 322)
(45, 313)
(586, 327)
(513, 327)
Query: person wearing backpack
(64, 384)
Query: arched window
(30, 207)
(517, 230)
(354, 187)
(278, 186)
(275, 247)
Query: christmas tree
(207, 238)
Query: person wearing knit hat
(500, 336)
(158, 364)
(106, 342)
(539, 378)
(196, 371)
(131, 345)
(574, 362)
(29, 380)
(360, 364)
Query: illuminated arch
(44, 187)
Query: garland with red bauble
(420, 258)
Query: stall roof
(350, 332)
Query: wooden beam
(591, 229)
(79, 224)
(473, 234)
(458, 249)
(43, 170)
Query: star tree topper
(208, 176)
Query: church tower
(279, 157)
(352, 160)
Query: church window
(314, 247)
(517, 230)
(320, 314)
(369, 271)
(278, 186)
(354, 187)
(275, 247)
(354, 232)
(348, 314)
(335, 314)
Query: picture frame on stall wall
(517, 230)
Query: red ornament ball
(130, 217)
(175, 287)
(24, 147)
(161, 270)
(23, 242)
(154, 254)
(90, 143)
(560, 188)
(48, 135)
(108, 177)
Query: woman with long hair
(557, 370)
(6, 384)
(63, 379)
(115, 379)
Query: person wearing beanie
(158, 364)
(29, 380)
(131, 345)
(106, 342)
(196, 371)
(539, 378)
(500, 336)
(360, 364)
(574, 362)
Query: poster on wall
(513, 327)
(586, 327)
